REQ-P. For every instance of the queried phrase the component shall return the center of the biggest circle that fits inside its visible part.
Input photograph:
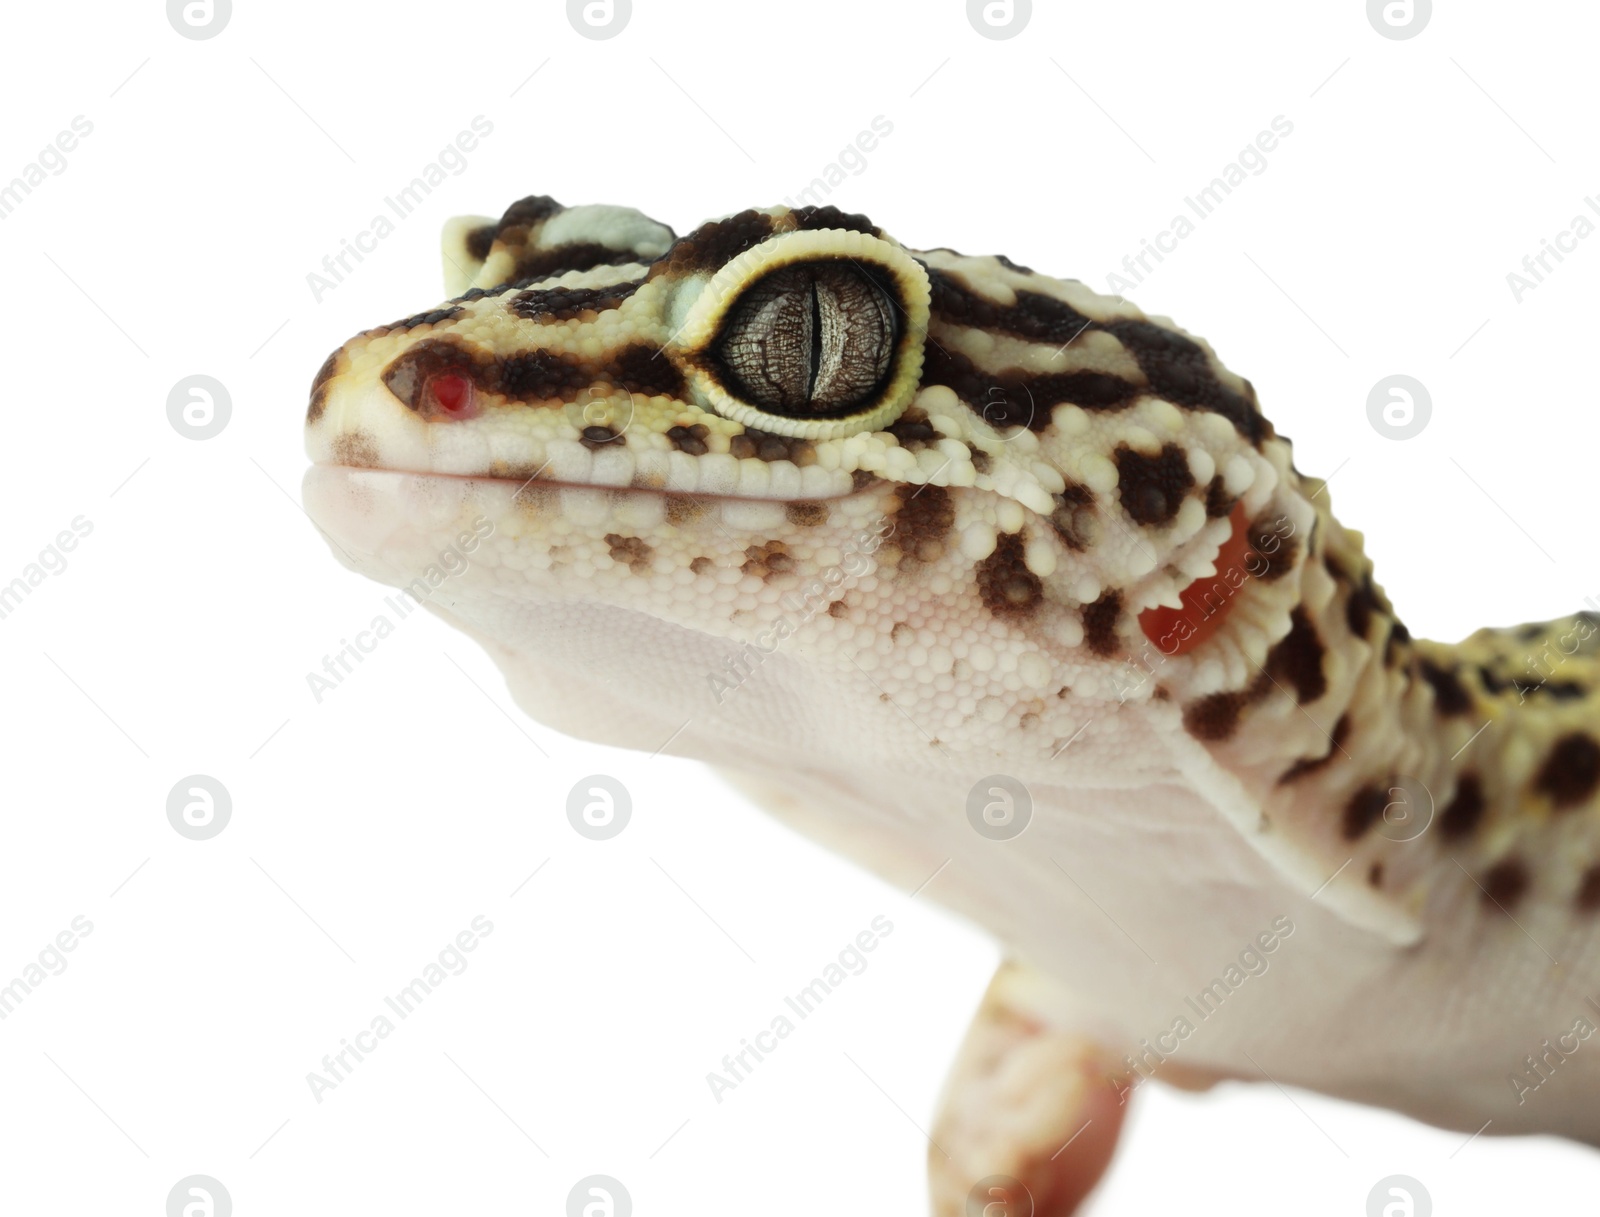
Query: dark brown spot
(532, 265)
(764, 561)
(1571, 772)
(355, 449)
(1013, 398)
(1505, 883)
(1218, 501)
(923, 520)
(837, 608)
(1175, 367)
(1100, 623)
(1450, 696)
(1297, 659)
(681, 509)
(542, 375)
(596, 437)
(1364, 809)
(527, 212)
(431, 317)
(1034, 316)
(1375, 875)
(689, 439)
(808, 219)
(765, 446)
(1152, 488)
(1556, 690)
(901, 632)
(642, 368)
(480, 241)
(530, 376)
(1215, 717)
(1589, 891)
(1362, 605)
(319, 386)
(1010, 265)
(548, 304)
(1276, 551)
(1009, 589)
(632, 552)
(1178, 369)
(1393, 651)
(912, 431)
(860, 479)
(1311, 764)
(701, 565)
(980, 459)
(806, 515)
(1465, 811)
(711, 245)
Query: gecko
(1010, 593)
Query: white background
(368, 830)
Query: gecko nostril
(439, 379)
(452, 393)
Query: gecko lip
(865, 484)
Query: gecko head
(787, 433)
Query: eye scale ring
(815, 334)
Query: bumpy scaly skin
(866, 620)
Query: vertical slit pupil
(816, 340)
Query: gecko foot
(1030, 1115)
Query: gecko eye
(815, 334)
(812, 340)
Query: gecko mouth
(754, 466)
(532, 481)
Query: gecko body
(918, 547)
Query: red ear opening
(1206, 602)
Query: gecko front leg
(1030, 1115)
